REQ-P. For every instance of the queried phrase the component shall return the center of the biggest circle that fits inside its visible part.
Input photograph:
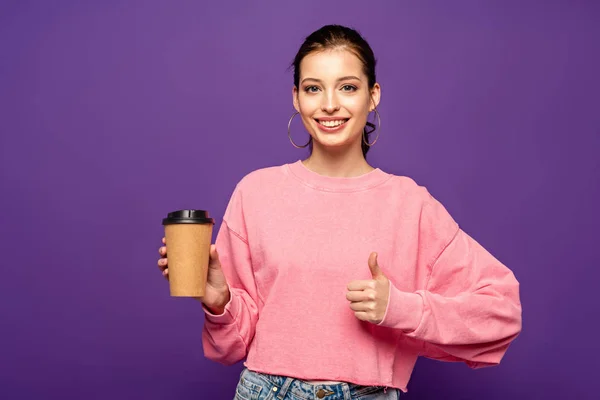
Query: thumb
(214, 256)
(374, 266)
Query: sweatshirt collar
(337, 184)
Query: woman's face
(334, 98)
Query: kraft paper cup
(188, 234)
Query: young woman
(329, 276)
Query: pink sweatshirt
(290, 242)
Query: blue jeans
(257, 386)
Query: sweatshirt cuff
(229, 313)
(404, 310)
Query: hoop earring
(290, 134)
(375, 128)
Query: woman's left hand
(369, 298)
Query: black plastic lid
(188, 217)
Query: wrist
(218, 308)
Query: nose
(330, 103)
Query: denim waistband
(282, 385)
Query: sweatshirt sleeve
(470, 309)
(226, 337)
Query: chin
(332, 141)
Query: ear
(295, 98)
(375, 97)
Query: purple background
(116, 112)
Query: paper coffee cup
(188, 234)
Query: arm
(226, 337)
(469, 309)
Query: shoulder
(433, 215)
(247, 192)
(255, 184)
(260, 178)
(418, 199)
(409, 188)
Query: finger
(374, 266)
(162, 263)
(359, 295)
(165, 273)
(361, 306)
(363, 316)
(361, 285)
(164, 240)
(162, 251)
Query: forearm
(470, 307)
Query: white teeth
(332, 124)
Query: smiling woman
(335, 88)
(330, 276)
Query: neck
(343, 163)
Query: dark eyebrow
(343, 78)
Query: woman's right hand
(217, 293)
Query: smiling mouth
(332, 123)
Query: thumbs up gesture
(369, 298)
